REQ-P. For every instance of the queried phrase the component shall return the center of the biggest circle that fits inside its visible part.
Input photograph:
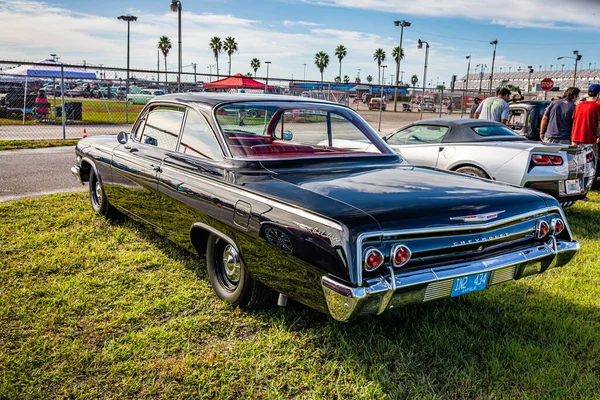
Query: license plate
(468, 284)
(572, 186)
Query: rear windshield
(494, 130)
(276, 129)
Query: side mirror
(122, 137)
(287, 135)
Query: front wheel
(98, 199)
(229, 277)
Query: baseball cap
(594, 89)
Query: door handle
(155, 167)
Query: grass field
(93, 111)
(34, 144)
(91, 309)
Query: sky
(289, 33)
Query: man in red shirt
(586, 120)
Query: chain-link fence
(51, 100)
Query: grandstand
(562, 80)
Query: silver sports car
(493, 151)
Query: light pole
(576, 58)
(304, 75)
(401, 24)
(462, 102)
(495, 43)
(529, 82)
(381, 98)
(158, 68)
(420, 46)
(267, 84)
(129, 19)
(481, 75)
(176, 7)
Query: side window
(419, 134)
(303, 127)
(516, 120)
(197, 138)
(162, 127)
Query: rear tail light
(558, 225)
(589, 157)
(543, 159)
(400, 255)
(373, 259)
(542, 229)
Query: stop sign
(547, 84)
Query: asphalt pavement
(37, 172)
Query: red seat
(281, 148)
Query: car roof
(215, 98)
(531, 103)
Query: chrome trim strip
(76, 170)
(267, 200)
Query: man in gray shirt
(495, 108)
(557, 122)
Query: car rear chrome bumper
(397, 289)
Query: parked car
(84, 91)
(492, 151)
(525, 117)
(341, 230)
(375, 103)
(427, 106)
(143, 96)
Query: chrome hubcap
(99, 192)
(231, 262)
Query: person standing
(41, 105)
(495, 108)
(474, 107)
(557, 122)
(586, 120)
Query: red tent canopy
(238, 81)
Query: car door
(137, 164)
(419, 144)
(517, 120)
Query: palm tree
(340, 53)
(337, 79)
(216, 46)
(164, 45)
(414, 80)
(346, 79)
(321, 61)
(230, 46)
(379, 56)
(249, 74)
(369, 78)
(395, 52)
(255, 65)
(357, 79)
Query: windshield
(293, 129)
(494, 130)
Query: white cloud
(302, 23)
(515, 13)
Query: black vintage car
(525, 117)
(275, 207)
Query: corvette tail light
(373, 259)
(400, 255)
(542, 229)
(543, 159)
(557, 225)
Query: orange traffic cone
(84, 133)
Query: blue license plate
(468, 284)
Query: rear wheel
(98, 199)
(229, 277)
(472, 171)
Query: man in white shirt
(495, 108)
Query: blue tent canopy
(47, 68)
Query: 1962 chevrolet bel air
(276, 210)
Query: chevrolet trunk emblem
(478, 217)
